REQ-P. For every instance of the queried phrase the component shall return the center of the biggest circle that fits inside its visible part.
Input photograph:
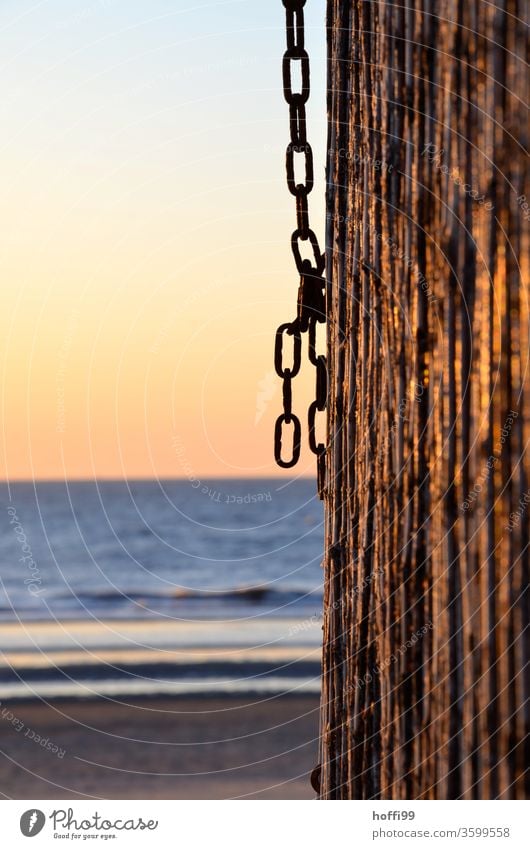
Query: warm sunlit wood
(428, 487)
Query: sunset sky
(145, 236)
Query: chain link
(311, 308)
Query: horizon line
(144, 478)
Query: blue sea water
(226, 549)
(183, 573)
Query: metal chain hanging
(311, 293)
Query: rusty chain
(311, 308)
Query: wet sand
(250, 747)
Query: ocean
(118, 588)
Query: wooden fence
(428, 490)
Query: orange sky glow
(145, 251)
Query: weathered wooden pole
(428, 492)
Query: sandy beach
(226, 747)
(153, 670)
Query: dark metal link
(302, 214)
(287, 396)
(312, 352)
(321, 474)
(322, 383)
(295, 25)
(297, 433)
(303, 265)
(312, 335)
(294, 4)
(311, 414)
(305, 149)
(297, 121)
(292, 329)
(311, 301)
(312, 341)
(295, 54)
